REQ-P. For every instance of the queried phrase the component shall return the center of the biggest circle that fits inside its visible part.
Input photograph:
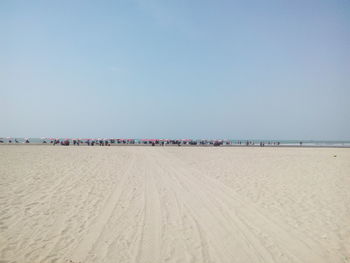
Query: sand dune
(174, 204)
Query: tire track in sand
(150, 242)
(82, 251)
(230, 223)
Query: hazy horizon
(161, 69)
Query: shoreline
(185, 145)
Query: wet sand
(174, 204)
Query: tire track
(95, 230)
(150, 245)
(220, 207)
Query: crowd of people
(152, 142)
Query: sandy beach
(174, 204)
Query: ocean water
(304, 142)
(232, 141)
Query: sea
(320, 143)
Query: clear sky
(175, 69)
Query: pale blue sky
(175, 69)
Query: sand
(174, 204)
